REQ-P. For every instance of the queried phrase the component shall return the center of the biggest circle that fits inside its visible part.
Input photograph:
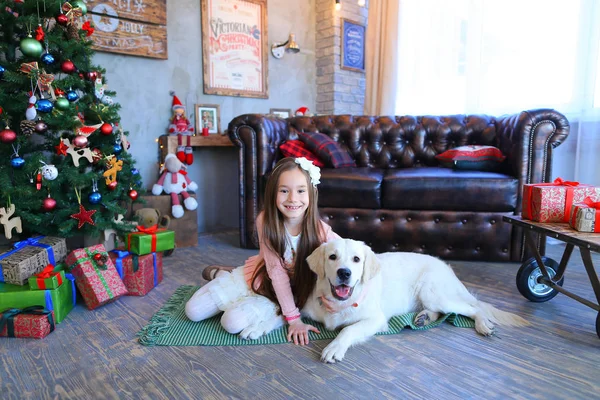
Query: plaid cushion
(472, 157)
(295, 148)
(327, 149)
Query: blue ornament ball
(48, 59)
(72, 96)
(17, 162)
(117, 148)
(2, 69)
(95, 198)
(44, 105)
(135, 171)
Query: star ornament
(61, 149)
(83, 216)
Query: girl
(289, 230)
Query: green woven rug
(170, 327)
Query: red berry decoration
(96, 156)
(8, 135)
(49, 204)
(133, 194)
(67, 67)
(112, 186)
(106, 129)
(62, 19)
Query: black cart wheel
(598, 325)
(528, 280)
(167, 253)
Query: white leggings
(229, 292)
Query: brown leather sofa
(399, 198)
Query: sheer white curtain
(498, 57)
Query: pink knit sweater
(278, 274)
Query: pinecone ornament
(72, 31)
(27, 127)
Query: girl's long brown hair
(274, 237)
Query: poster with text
(234, 47)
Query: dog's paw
(335, 351)
(426, 317)
(484, 327)
(253, 332)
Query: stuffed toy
(181, 127)
(148, 217)
(174, 181)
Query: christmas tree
(65, 168)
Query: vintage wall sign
(132, 27)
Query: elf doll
(181, 127)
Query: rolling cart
(541, 278)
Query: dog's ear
(371, 266)
(316, 261)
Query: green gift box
(61, 300)
(150, 240)
(47, 279)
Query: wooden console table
(168, 143)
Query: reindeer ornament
(174, 181)
(9, 221)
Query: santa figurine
(301, 111)
(181, 127)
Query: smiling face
(343, 263)
(292, 195)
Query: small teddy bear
(148, 217)
(174, 181)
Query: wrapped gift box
(150, 240)
(47, 279)
(31, 322)
(29, 257)
(140, 274)
(95, 276)
(60, 300)
(552, 202)
(585, 216)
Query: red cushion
(295, 148)
(472, 157)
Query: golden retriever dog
(380, 286)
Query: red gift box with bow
(553, 202)
(31, 322)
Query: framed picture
(353, 46)
(281, 112)
(234, 47)
(208, 115)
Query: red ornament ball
(106, 129)
(67, 67)
(62, 19)
(8, 136)
(97, 256)
(80, 141)
(112, 186)
(133, 194)
(91, 76)
(49, 204)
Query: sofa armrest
(527, 139)
(258, 138)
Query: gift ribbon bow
(87, 27)
(28, 68)
(71, 12)
(8, 316)
(560, 182)
(591, 203)
(47, 273)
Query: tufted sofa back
(401, 141)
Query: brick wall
(339, 91)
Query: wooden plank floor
(95, 354)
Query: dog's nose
(344, 273)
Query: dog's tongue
(342, 291)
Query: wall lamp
(290, 46)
